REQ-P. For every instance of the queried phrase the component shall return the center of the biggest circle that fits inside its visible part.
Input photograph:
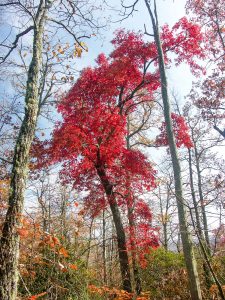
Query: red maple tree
(91, 139)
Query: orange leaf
(63, 252)
(74, 267)
(34, 297)
(55, 240)
(22, 232)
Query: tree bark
(121, 237)
(197, 217)
(104, 247)
(201, 198)
(164, 222)
(9, 243)
(131, 221)
(182, 214)
(136, 272)
(198, 227)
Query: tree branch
(14, 44)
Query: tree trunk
(185, 235)
(121, 237)
(9, 243)
(104, 248)
(197, 217)
(164, 220)
(207, 275)
(201, 198)
(136, 272)
(132, 225)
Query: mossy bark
(9, 243)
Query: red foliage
(209, 95)
(93, 128)
(210, 14)
(180, 129)
(185, 40)
(142, 237)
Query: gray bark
(201, 198)
(195, 203)
(131, 221)
(104, 247)
(198, 227)
(185, 234)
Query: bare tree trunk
(197, 217)
(204, 217)
(64, 197)
(164, 220)
(132, 225)
(104, 247)
(9, 244)
(111, 253)
(136, 272)
(185, 235)
(121, 237)
(89, 243)
(208, 278)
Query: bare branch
(15, 43)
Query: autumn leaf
(63, 252)
(73, 267)
(55, 240)
(34, 297)
(22, 232)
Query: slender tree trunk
(195, 203)
(208, 277)
(132, 225)
(89, 243)
(185, 235)
(9, 243)
(104, 247)
(164, 222)
(201, 198)
(136, 273)
(121, 237)
(111, 258)
(64, 233)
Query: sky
(169, 11)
